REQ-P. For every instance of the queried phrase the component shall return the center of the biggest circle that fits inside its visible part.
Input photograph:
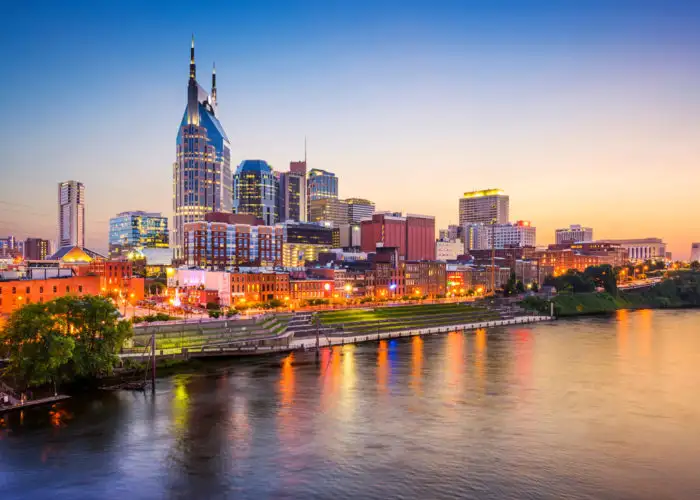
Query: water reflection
(416, 365)
(600, 408)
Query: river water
(602, 408)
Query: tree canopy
(65, 339)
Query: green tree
(65, 339)
(535, 287)
(37, 347)
(603, 276)
(519, 287)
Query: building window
(14, 289)
(80, 288)
(67, 289)
(55, 289)
(41, 289)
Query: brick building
(413, 235)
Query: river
(594, 408)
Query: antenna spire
(213, 86)
(193, 69)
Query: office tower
(255, 190)
(36, 249)
(328, 210)
(412, 235)
(71, 214)
(303, 242)
(486, 236)
(298, 167)
(202, 172)
(321, 184)
(358, 209)
(488, 206)
(137, 230)
(291, 196)
(573, 234)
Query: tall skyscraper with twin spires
(202, 171)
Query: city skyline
(579, 115)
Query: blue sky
(584, 112)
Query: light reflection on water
(593, 408)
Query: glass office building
(255, 191)
(202, 170)
(321, 184)
(137, 230)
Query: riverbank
(600, 303)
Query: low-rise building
(15, 293)
(447, 250)
(641, 249)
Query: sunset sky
(586, 113)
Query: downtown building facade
(575, 233)
(255, 191)
(202, 179)
(291, 195)
(695, 252)
(37, 249)
(641, 249)
(359, 209)
(482, 236)
(137, 230)
(71, 214)
(489, 206)
(321, 184)
(303, 242)
(222, 242)
(413, 235)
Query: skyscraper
(487, 206)
(291, 204)
(328, 210)
(255, 190)
(202, 172)
(358, 209)
(137, 230)
(71, 214)
(322, 184)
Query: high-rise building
(298, 167)
(412, 235)
(573, 234)
(36, 249)
(321, 184)
(695, 252)
(137, 230)
(202, 172)
(328, 210)
(488, 207)
(358, 209)
(255, 190)
(71, 214)
(9, 248)
(486, 236)
(291, 196)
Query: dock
(33, 403)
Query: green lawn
(385, 313)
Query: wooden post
(153, 359)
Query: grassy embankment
(387, 319)
(680, 290)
